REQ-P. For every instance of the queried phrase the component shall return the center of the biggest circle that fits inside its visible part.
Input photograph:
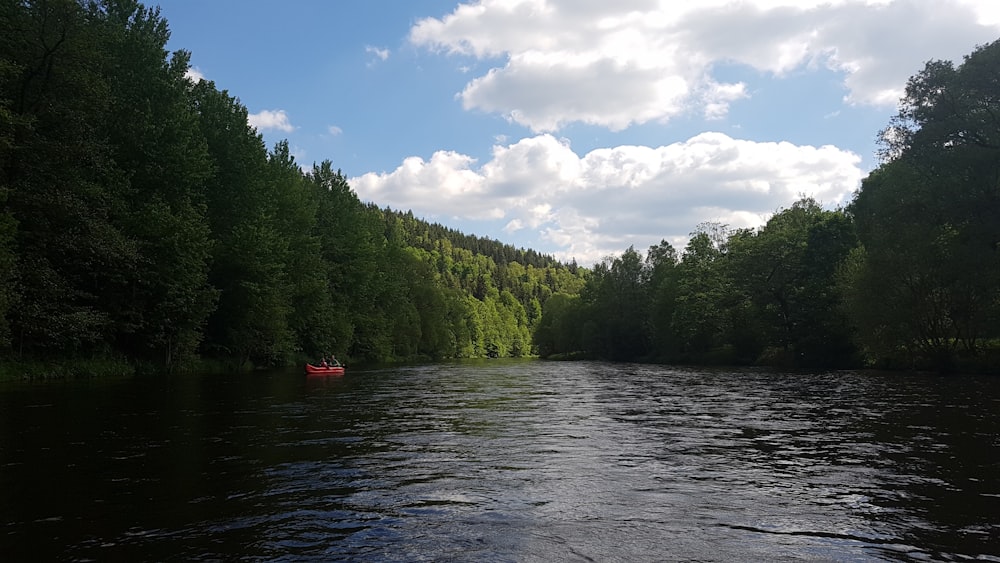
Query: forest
(907, 276)
(146, 227)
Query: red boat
(320, 370)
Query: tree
(699, 317)
(8, 225)
(312, 317)
(359, 256)
(249, 268)
(8, 260)
(785, 270)
(661, 279)
(160, 311)
(559, 330)
(143, 219)
(619, 307)
(60, 181)
(928, 219)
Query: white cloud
(194, 74)
(334, 130)
(380, 53)
(271, 119)
(599, 204)
(987, 13)
(513, 226)
(445, 184)
(615, 64)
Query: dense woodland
(907, 276)
(144, 225)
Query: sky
(579, 128)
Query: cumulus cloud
(598, 204)
(615, 64)
(446, 183)
(271, 120)
(194, 75)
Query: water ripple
(511, 461)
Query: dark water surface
(503, 461)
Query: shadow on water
(503, 461)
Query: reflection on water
(503, 461)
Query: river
(503, 461)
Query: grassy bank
(65, 369)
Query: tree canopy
(925, 287)
(907, 276)
(144, 222)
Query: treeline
(144, 222)
(424, 235)
(906, 276)
(730, 297)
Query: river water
(503, 461)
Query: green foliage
(59, 181)
(699, 318)
(765, 296)
(142, 219)
(558, 331)
(785, 274)
(8, 225)
(469, 304)
(616, 297)
(908, 276)
(251, 324)
(8, 229)
(60, 369)
(924, 290)
(160, 205)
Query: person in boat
(334, 362)
(322, 362)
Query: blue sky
(579, 128)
